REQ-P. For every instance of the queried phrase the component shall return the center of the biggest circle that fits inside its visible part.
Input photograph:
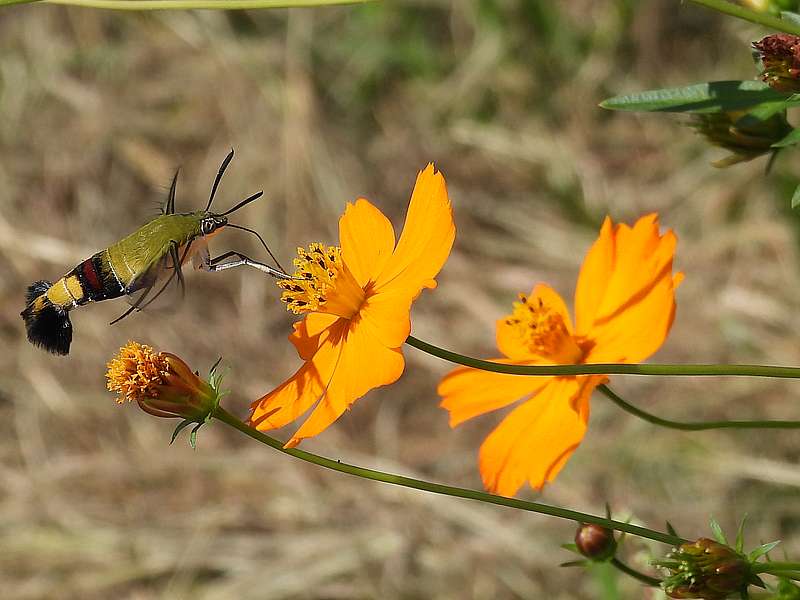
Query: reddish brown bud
(780, 56)
(595, 542)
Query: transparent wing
(161, 286)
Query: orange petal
(593, 278)
(536, 439)
(640, 329)
(388, 315)
(621, 268)
(426, 240)
(367, 240)
(297, 394)
(508, 340)
(364, 364)
(467, 393)
(307, 333)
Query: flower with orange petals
(162, 384)
(624, 308)
(357, 299)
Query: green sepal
(571, 547)
(181, 426)
(671, 530)
(739, 546)
(712, 96)
(796, 197)
(790, 139)
(716, 529)
(762, 550)
(575, 563)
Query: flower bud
(161, 384)
(780, 56)
(745, 137)
(595, 542)
(704, 569)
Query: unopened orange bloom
(624, 308)
(357, 301)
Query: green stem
(608, 369)
(445, 490)
(697, 426)
(10, 2)
(196, 4)
(646, 579)
(741, 12)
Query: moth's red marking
(90, 275)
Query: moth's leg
(216, 264)
(176, 264)
(133, 307)
(176, 270)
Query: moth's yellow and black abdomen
(46, 315)
(47, 324)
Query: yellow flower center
(322, 283)
(543, 331)
(136, 372)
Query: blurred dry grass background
(322, 106)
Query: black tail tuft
(35, 290)
(48, 326)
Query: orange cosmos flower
(624, 307)
(357, 300)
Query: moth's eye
(207, 227)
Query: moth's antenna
(244, 202)
(220, 173)
(263, 243)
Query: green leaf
(790, 16)
(716, 529)
(713, 96)
(762, 550)
(792, 138)
(796, 197)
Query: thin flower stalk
(661, 370)
(694, 426)
(734, 10)
(446, 490)
(194, 4)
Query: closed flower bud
(595, 542)
(161, 384)
(745, 137)
(704, 569)
(780, 57)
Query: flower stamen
(543, 331)
(136, 372)
(321, 283)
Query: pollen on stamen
(136, 372)
(316, 270)
(542, 330)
